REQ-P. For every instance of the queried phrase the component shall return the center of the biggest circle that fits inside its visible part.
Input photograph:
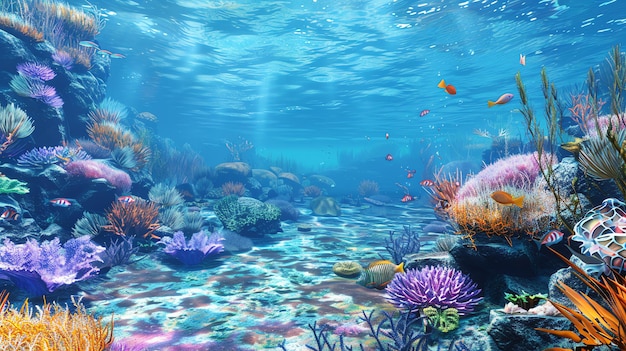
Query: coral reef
(52, 327)
(42, 268)
(194, 251)
(138, 218)
(247, 216)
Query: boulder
(325, 206)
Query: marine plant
(193, 221)
(433, 286)
(14, 124)
(398, 246)
(238, 147)
(37, 89)
(176, 166)
(139, 218)
(94, 169)
(42, 268)
(475, 212)
(247, 216)
(368, 187)
(165, 195)
(41, 157)
(12, 186)
(194, 251)
(110, 111)
(401, 332)
(35, 70)
(119, 252)
(52, 327)
(112, 136)
(16, 26)
(172, 218)
(63, 59)
(443, 320)
(524, 299)
(598, 320)
(89, 224)
(233, 188)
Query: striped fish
(379, 273)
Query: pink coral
(94, 169)
(519, 171)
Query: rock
(290, 179)
(516, 332)
(288, 212)
(305, 228)
(325, 206)
(232, 172)
(420, 260)
(347, 269)
(321, 181)
(265, 177)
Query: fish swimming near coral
(503, 99)
(506, 199)
(379, 273)
(573, 146)
(550, 238)
(62, 202)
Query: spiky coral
(133, 218)
(53, 327)
(595, 324)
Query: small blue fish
(89, 44)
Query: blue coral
(42, 268)
(194, 251)
(48, 155)
(434, 286)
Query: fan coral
(194, 251)
(93, 169)
(35, 70)
(48, 155)
(14, 124)
(42, 268)
(434, 286)
(36, 89)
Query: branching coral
(137, 218)
(42, 268)
(53, 327)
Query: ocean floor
(255, 299)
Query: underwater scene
(384, 175)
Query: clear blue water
(310, 80)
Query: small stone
(305, 228)
(347, 269)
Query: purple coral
(44, 156)
(35, 70)
(42, 268)
(434, 286)
(63, 59)
(194, 251)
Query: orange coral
(17, 27)
(137, 218)
(368, 188)
(52, 328)
(111, 136)
(233, 188)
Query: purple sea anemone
(194, 251)
(44, 156)
(47, 94)
(34, 70)
(438, 286)
(63, 59)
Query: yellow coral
(52, 328)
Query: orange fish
(501, 100)
(506, 199)
(450, 89)
(427, 182)
(522, 59)
(407, 198)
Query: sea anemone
(35, 70)
(434, 286)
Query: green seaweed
(525, 300)
(12, 186)
(443, 320)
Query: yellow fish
(504, 198)
(573, 146)
(379, 273)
